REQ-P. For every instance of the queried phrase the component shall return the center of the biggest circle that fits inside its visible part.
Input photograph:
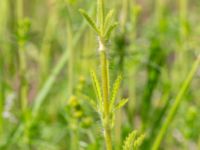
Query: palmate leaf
(89, 20)
(96, 88)
(115, 90)
(121, 104)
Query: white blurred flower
(8, 106)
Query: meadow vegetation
(99, 75)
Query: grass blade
(175, 106)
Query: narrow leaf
(129, 141)
(110, 29)
(100, 13)
(96, 87)
(115, 90)
(174, 108)
(121, 104)
(92, 103)
(138, 142)
(89, 20)
(109, 18)
(133, 141)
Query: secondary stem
(23, 89)
(105, 91)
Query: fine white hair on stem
(101, 45)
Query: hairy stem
(105, 91)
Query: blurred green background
(47, 51)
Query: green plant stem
(1, 95)
(75, 135)
(23, 94)
(132, 86)
(3, 52)
(183, 19)
(38, 101)
(71, 77)
(23, 84)
(52, 77)
(124, 14)
(22, 60)
(121, 48)
(19, 9)
(46, 43)
(105, 91)
(159, 10)
(71, 59)
(23, 89)
(105, 80)
(175, 106)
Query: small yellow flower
(78, 114)
(73, 101)
(87, 122)
(82, 79)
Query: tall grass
(22, 31)
(46, 43)
(47, 53)
(3, 23)
(173, 109)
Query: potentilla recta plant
(106, 104)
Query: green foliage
(89, 20)
(120, 104)
(176, 105)
(97, 88)
(133, 141)
(104, 28)
(104, 25)
(49, 99)
(115, 91)
(23, 30)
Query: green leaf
(138, 142)
(129, 141)
(110, 29)
(121, 104)
(100, 13)
(115, 90)
(96, 87)
(112, 119)
(92, 103)
(89, 20)
(109, 17)
(133, 141)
